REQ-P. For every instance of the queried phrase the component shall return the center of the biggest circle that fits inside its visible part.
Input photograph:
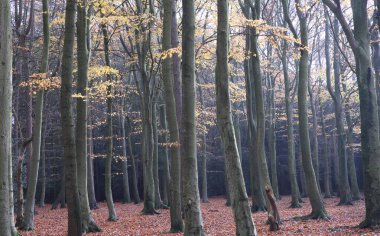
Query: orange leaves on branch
(40, 81)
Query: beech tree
(359, 41)
(239, 198)
(191, 200)
(5, 115)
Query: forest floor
(217, 218)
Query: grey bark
(28, 223)
(157, 195)
(359, 40)
(83, 57)
(344, 187)
(67, 122)
(290, 132)
(109, 132)
(165, 157)
(238, 195)
(126, 192)
(351, 157)
(318, 209)
(191, 201)
(5, 115)
(90, 165)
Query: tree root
(295, 205)
(91, 227)
(256, 208)
(320, 215)
(369, 224)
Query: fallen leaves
(217, 218)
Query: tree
(5, 115)
(239, 198)
(83, 57)
(344, 187)
(109, 132)
(28, 223)
(359, 41)
(126, 192)
(172, 118)
(318, 209)
(290, 130)
(191, 199)
(68, 134)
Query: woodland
(192, 117)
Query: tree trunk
(359, 40)
(315, 146)
(191, 201)
(238, 195)
(272, 136)
(318, 209)
(258, 201)
(289, 128)
(34, 161)
(83, 51)
(126, 192)
(335, 161)
(109, 132)
(90, 166)
(61, 199)
(67, 122)
(157, 195)
(5, 115)
(165, 157)
(351, 157)
(260, 112)
(344, 187)
(136, 195)
(326, 159)
(43, 169)
(173, 112)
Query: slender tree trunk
(43, 169)
(351, 157)
(90, 165)
(204, 154)
(315, 146)
(157, 195)
(67, 122)
(263, 172)
(289, 128)
(60, 199)
(165, 157)
(335, 161)
(83, 53)
(173, 103)
(136, 195)
(191, 201)
(236, 120)
(318, 209)
(126, 192)
(258, 201)
(290, 132)
(34, 161)
(326, 159)
(5, 115)
(238, 195)
(344, 187)
(359, 40)
(272, 138)
(109, 132)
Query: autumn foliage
(217, 217)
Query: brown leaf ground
(217, 218)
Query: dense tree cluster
(123, 100)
